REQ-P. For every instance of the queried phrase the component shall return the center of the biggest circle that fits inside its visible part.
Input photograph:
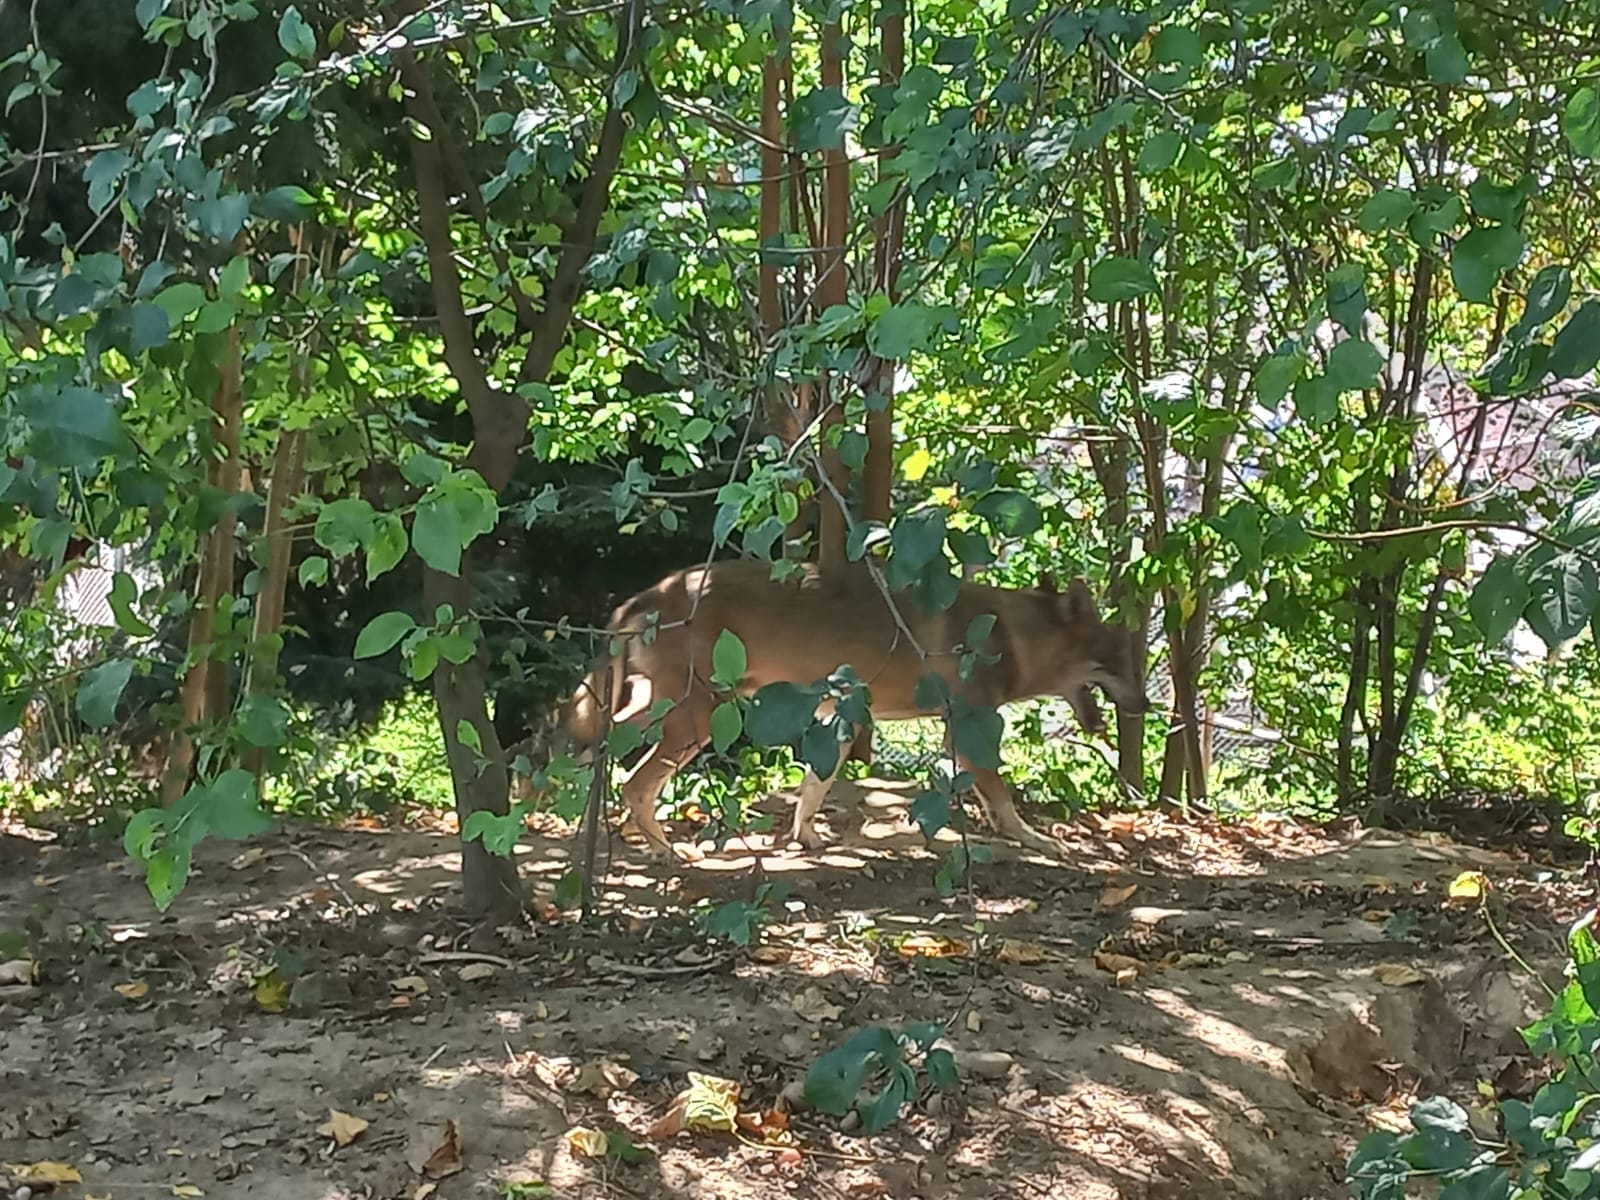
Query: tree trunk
(287, 482)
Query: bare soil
(1280, 990)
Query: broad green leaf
(930, 813)
(179, 300)
(1277, 375)
(295, 36)
(1580, 121)
(780, 713)
(264, 721)
(971, 548)
(931, 692)
(835, 1079)
(383, 633)
(977, 731)
(100, 690)
(1447, 60)
(820, 750)
(1241, 524)
(821, 119)
(1547, 296)
(917, 537)
(1562, 595)
(313, 571)
(149, 328)
(387, 546)
(1576, 348)
(1178, 44)
(139, 836)
(1347, 298)
(467, 735)
(102, 176)
(1159, 152)
(235, 276)
(1011, 514)
(1480, 258)
(230, 810)
(726, 725)
(1316, 400)
(1495, 201)
(1388, 209)
(423, 470)
(1353, 365)
(75, 428)
(289, 204)
(908, 327)
(165, 873)
(344, 526)
(1115, 279)
(1498, 599)
(729, 660)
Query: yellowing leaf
(1115, 897)
(1469, 887)
(137, 990)
(271, 990)
(409, 985)
(708, 1104)
(587, 1143)
(44, 1172)
(1022, 954)
(916, 464)
(931, 945)
(342, 1127)
(187, 1190)
(1116, 964)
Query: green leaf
(820, 750)
(1116, 278)
(908, 327)
(1011, 514)
(1447, 60)
(295, 36)
(313, 571)
(288, 204)
(977, 732)
(1576, 348)
(1277, 375)
(121, 597)
(726, 725)
(100, 690)
(1347, 297)
(1242, 526)
(1353, 365)
(930, 812)
(835, 1079)
(1562, 595)
(821, 119)
(264, 721)
(102, 176)
(729, 661)
(230, 810)
(931, 692)
(387, 546)
(971, 548)
(1480, 258)
(1388, 209)
(179, 300)
(75, 428)
(383, 633)
(215, 316)
(1580, 121)
(1159, 152)
(941, 1067)
(1498, 599)
(344, 526)
(235, 276)
(437, 534)
(917, 538)
(1547, 295)
(1316, 400)
(149, 328)
(1497, 202)
(165, 873)
(467, 735)
(1178, 44)
(423, 470)
(139, 835)
(780, 713)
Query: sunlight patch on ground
(1223, 1037)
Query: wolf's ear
(1080, 601)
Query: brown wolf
(804, 628)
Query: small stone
(850, 1122)
(985, 1064)
(793, 1097)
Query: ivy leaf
(295, 36)
(1563, 592)
(1480, 258)
(100, 690)
(383, 633)
(1116, 278)
(1498, 599)
(1388, 209)
(1353, 365)
(1580, 121)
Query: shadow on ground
(1170, 1011)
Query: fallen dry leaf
(1126, 976)
(424, 1190)
(271, 990)
(811, 1005)
(1115, 964)
(771, 1128)
(769, 953)
(974, 1021)
(931, 945)
(1397, 974)
(587, 1143)
(1114, 897)
(186, 1190)
(342, 1127)
(475, 971)
(445, 1158)
(708, 1104)
(137, 990)
(1022, 954)
(600, 1077)
(43, 1172)
(409, 985)
(19, 971)
(248, 858)
(1469, 887)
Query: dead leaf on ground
(424, 1190)
(271, 990)
(771, 1128)
(811, 1005)
(1398, 974)
(708, 1104)
(248, 858)
(1114, 897)
(409, 985)
(342, 1127)
(770, 953)
(19, 971)
(186, 1190)
(46, 1172)
(1021, 954)
(600, 1077)
(931, 945)
(1115, 964)
(974, 1021)
(474, 971)
(587, 1143)
(1378, 883)
(442, 1159)
(1469, 887)
(138, 989)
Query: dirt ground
(1280, 991)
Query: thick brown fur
(803, 628)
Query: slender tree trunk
(287, 482)
(833, 520)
